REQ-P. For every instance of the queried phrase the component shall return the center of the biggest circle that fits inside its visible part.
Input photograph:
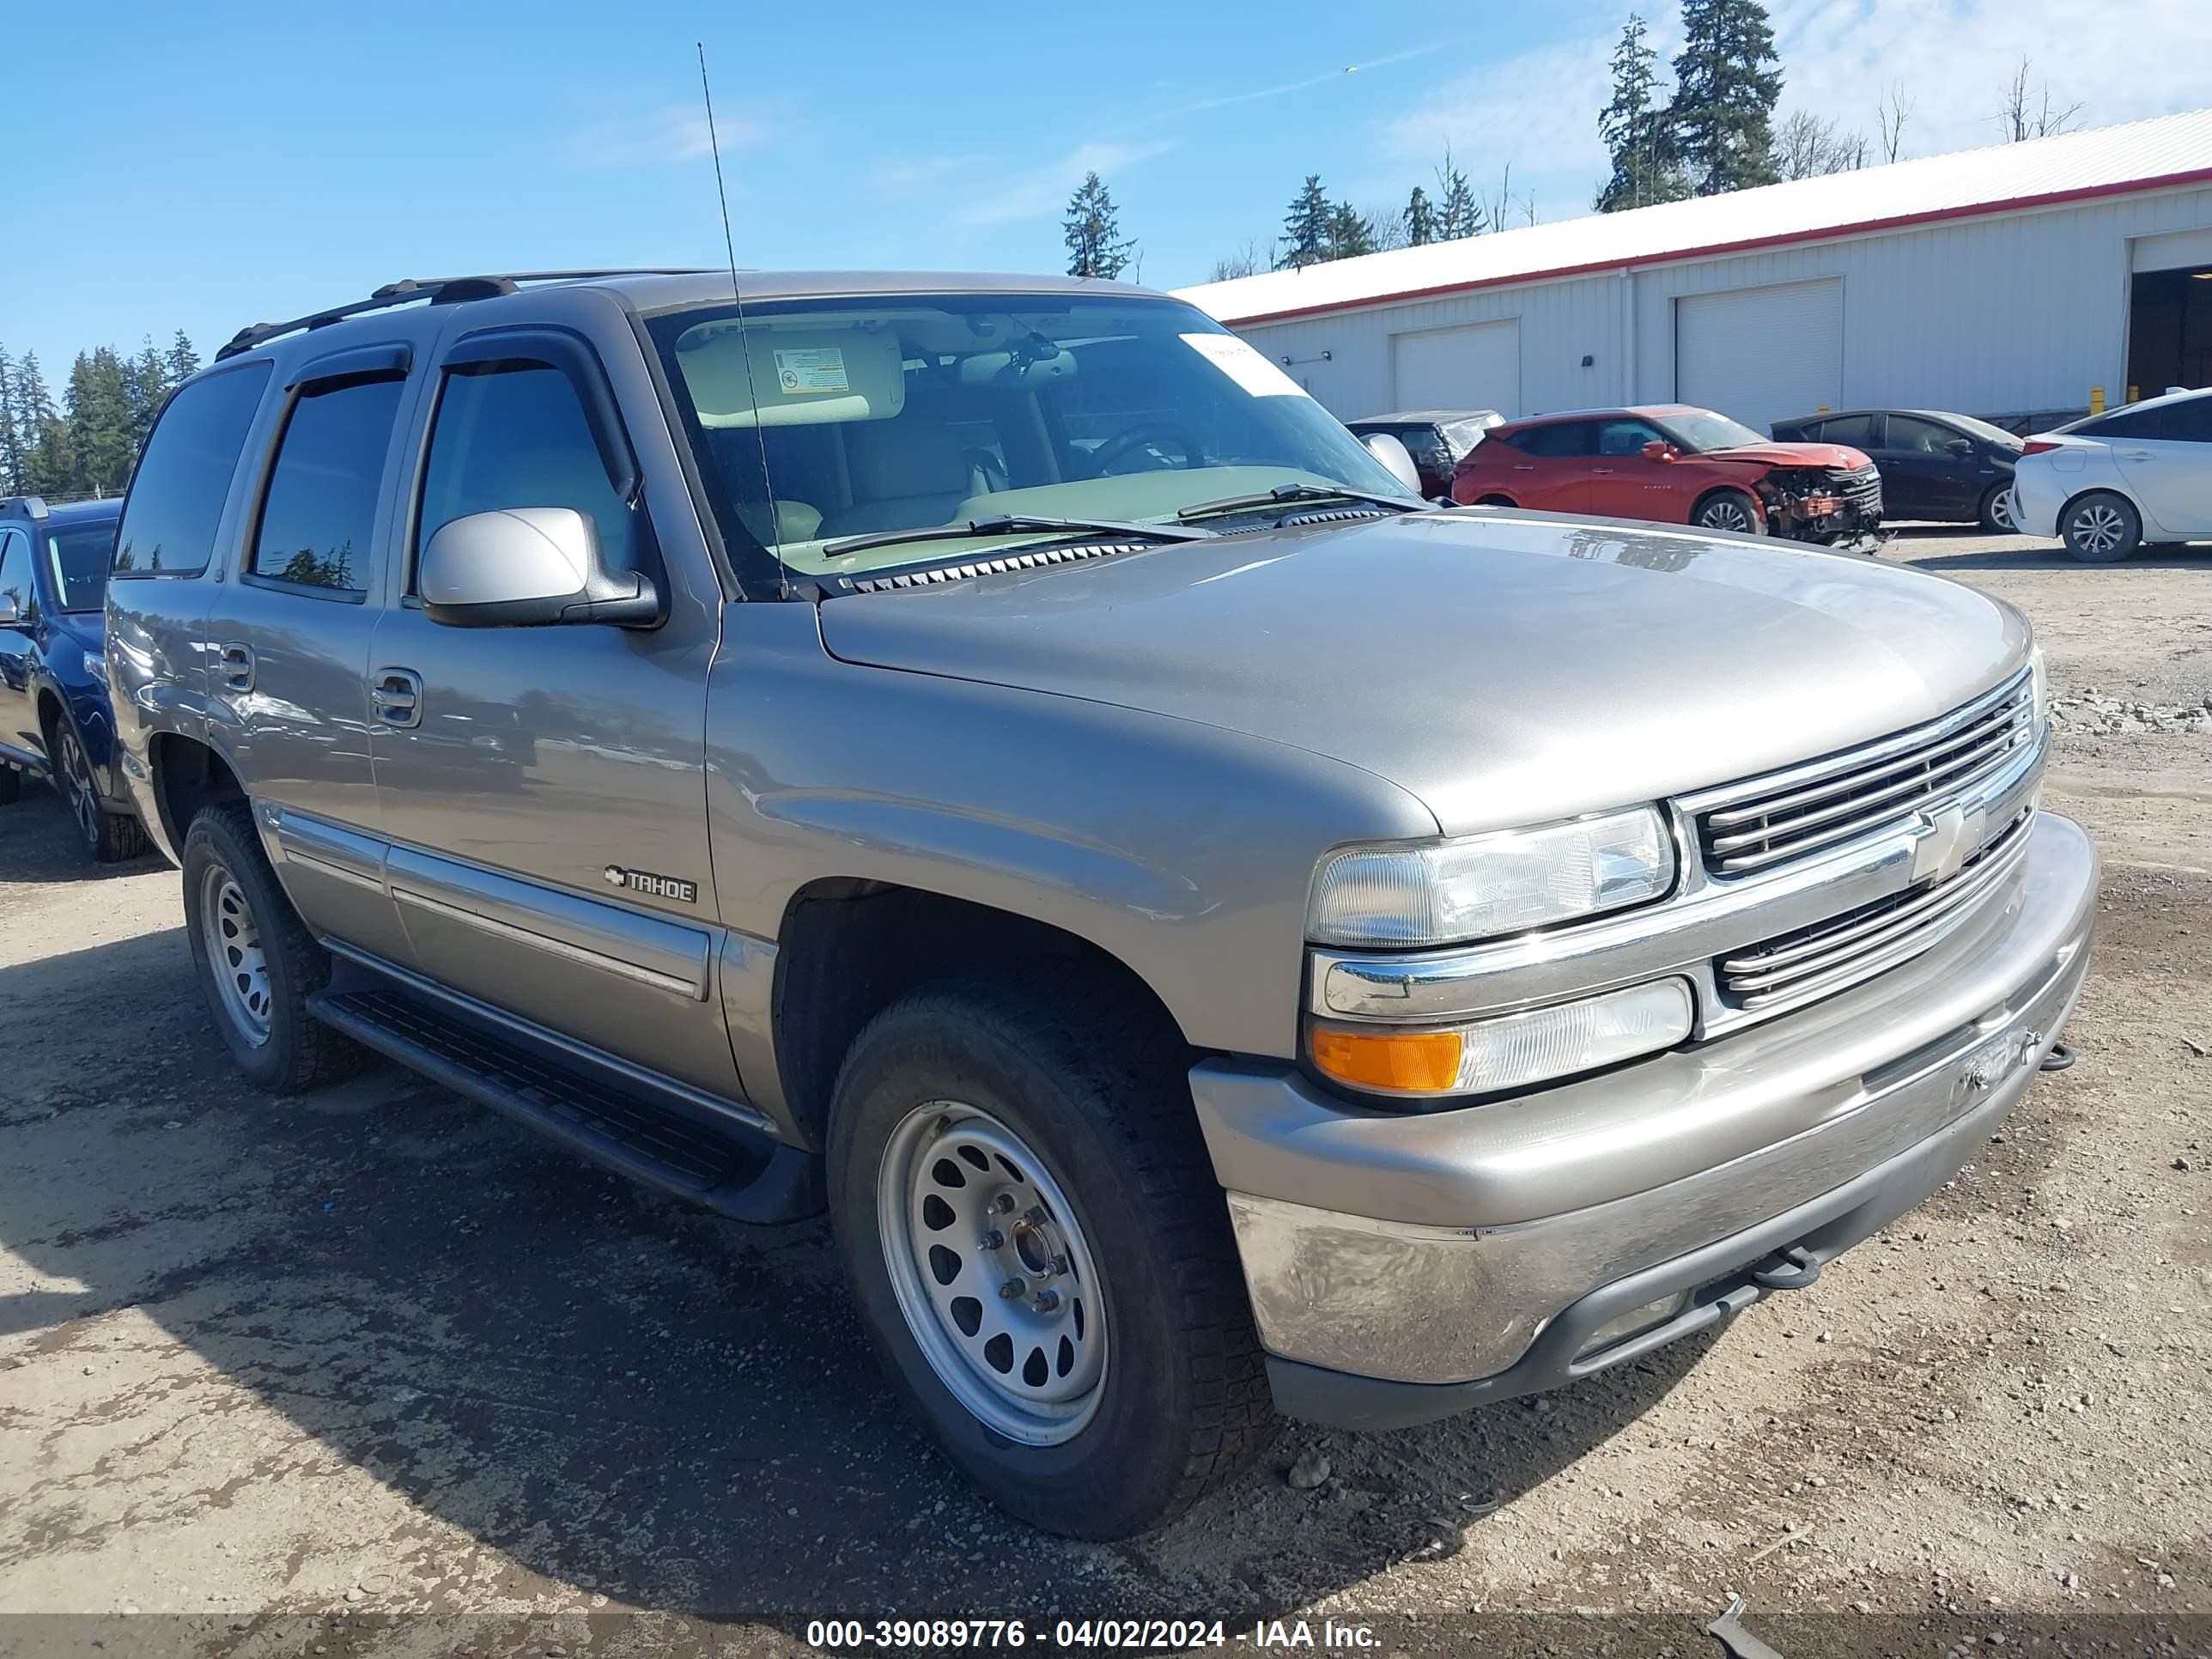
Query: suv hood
(1823, 455)
(1506, 669)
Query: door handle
(1524, 467)
(235, 664)
(1602, 472)
(396, 694)
(2135, 454)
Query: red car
(1675, 464)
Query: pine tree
(147, 379)
(1307, 227)
(1420, 219)
(102, 435)
(1638, 131)
(1095, 247)
(1458, 214)
(184, 361)
(47, 468)
(1727, 80)
(12, 447)
(1350, 234)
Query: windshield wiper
(1285, 495)
(1010, 524)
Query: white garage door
(1474, 368)
(1761, 354)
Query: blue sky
(204, 167)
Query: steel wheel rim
(2097, 529)
(234, 954)
(1725, 514)
(77, 775)
(968, 1213)
(2001, 509)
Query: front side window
(16, 573)
(511, 435)
(318, 516)
(1909, 435)
(176, 499)
(1619, 437)
(1697, 431)
(821, 421)
(77, 558)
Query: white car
(2114, 481)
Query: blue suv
(54, 717)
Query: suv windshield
(1697, 430)
(76, 562)
(907, 413)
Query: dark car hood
(1821, 455)
(1505, 668)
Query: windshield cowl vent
(1325, 515)
(938, 575)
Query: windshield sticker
(817, 368)
(1237, 360)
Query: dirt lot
(293, 1367)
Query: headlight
(1445, 892)
(1511, 1051)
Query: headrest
(802, 376)
(907, 458)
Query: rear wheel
(2101, 528)
(257, 964)
(1995, 513)
(1728, 509)
(1042, 1256)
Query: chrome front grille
(1769, 822)
(1860, 488)
(1830, 956)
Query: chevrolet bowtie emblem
(1944, 838)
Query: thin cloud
(673, 133)
(919, 171)
(1044, 189)
(1224, 101)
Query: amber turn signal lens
(1424, 1061)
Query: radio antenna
(738, 299)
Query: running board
(721, 1163)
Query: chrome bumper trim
(1433, 1248)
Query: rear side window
(1857, 430)
(1560, 438)
(514, 435)
(318, 516)
(15, 571)
(178, 492)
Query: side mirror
(1394, 456)
(11, 615)
(1960, 445)
(1657, 449)
(528, 567)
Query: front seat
(907, 473)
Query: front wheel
(1997, 510)
(1042, 1256)
(2101, 528)
(11, 786)
(109, 837)
(1728, 509)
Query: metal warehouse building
(2006, 282)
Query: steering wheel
(1142, 439)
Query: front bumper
(1403, 1266)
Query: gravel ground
(310, 1370)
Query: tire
(235, 912)
(1493, 501)
(2101, 528)
(11, 786)
(109, 837)
(1160, 1390)
(1996, 510)
(1728, 509)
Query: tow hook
(1792, 1269)
(2059, 1059)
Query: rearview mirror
(528, 567)
(1393, 455)
(1655, 449)
(10, 615)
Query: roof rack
(439, 291)
(32, 508)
